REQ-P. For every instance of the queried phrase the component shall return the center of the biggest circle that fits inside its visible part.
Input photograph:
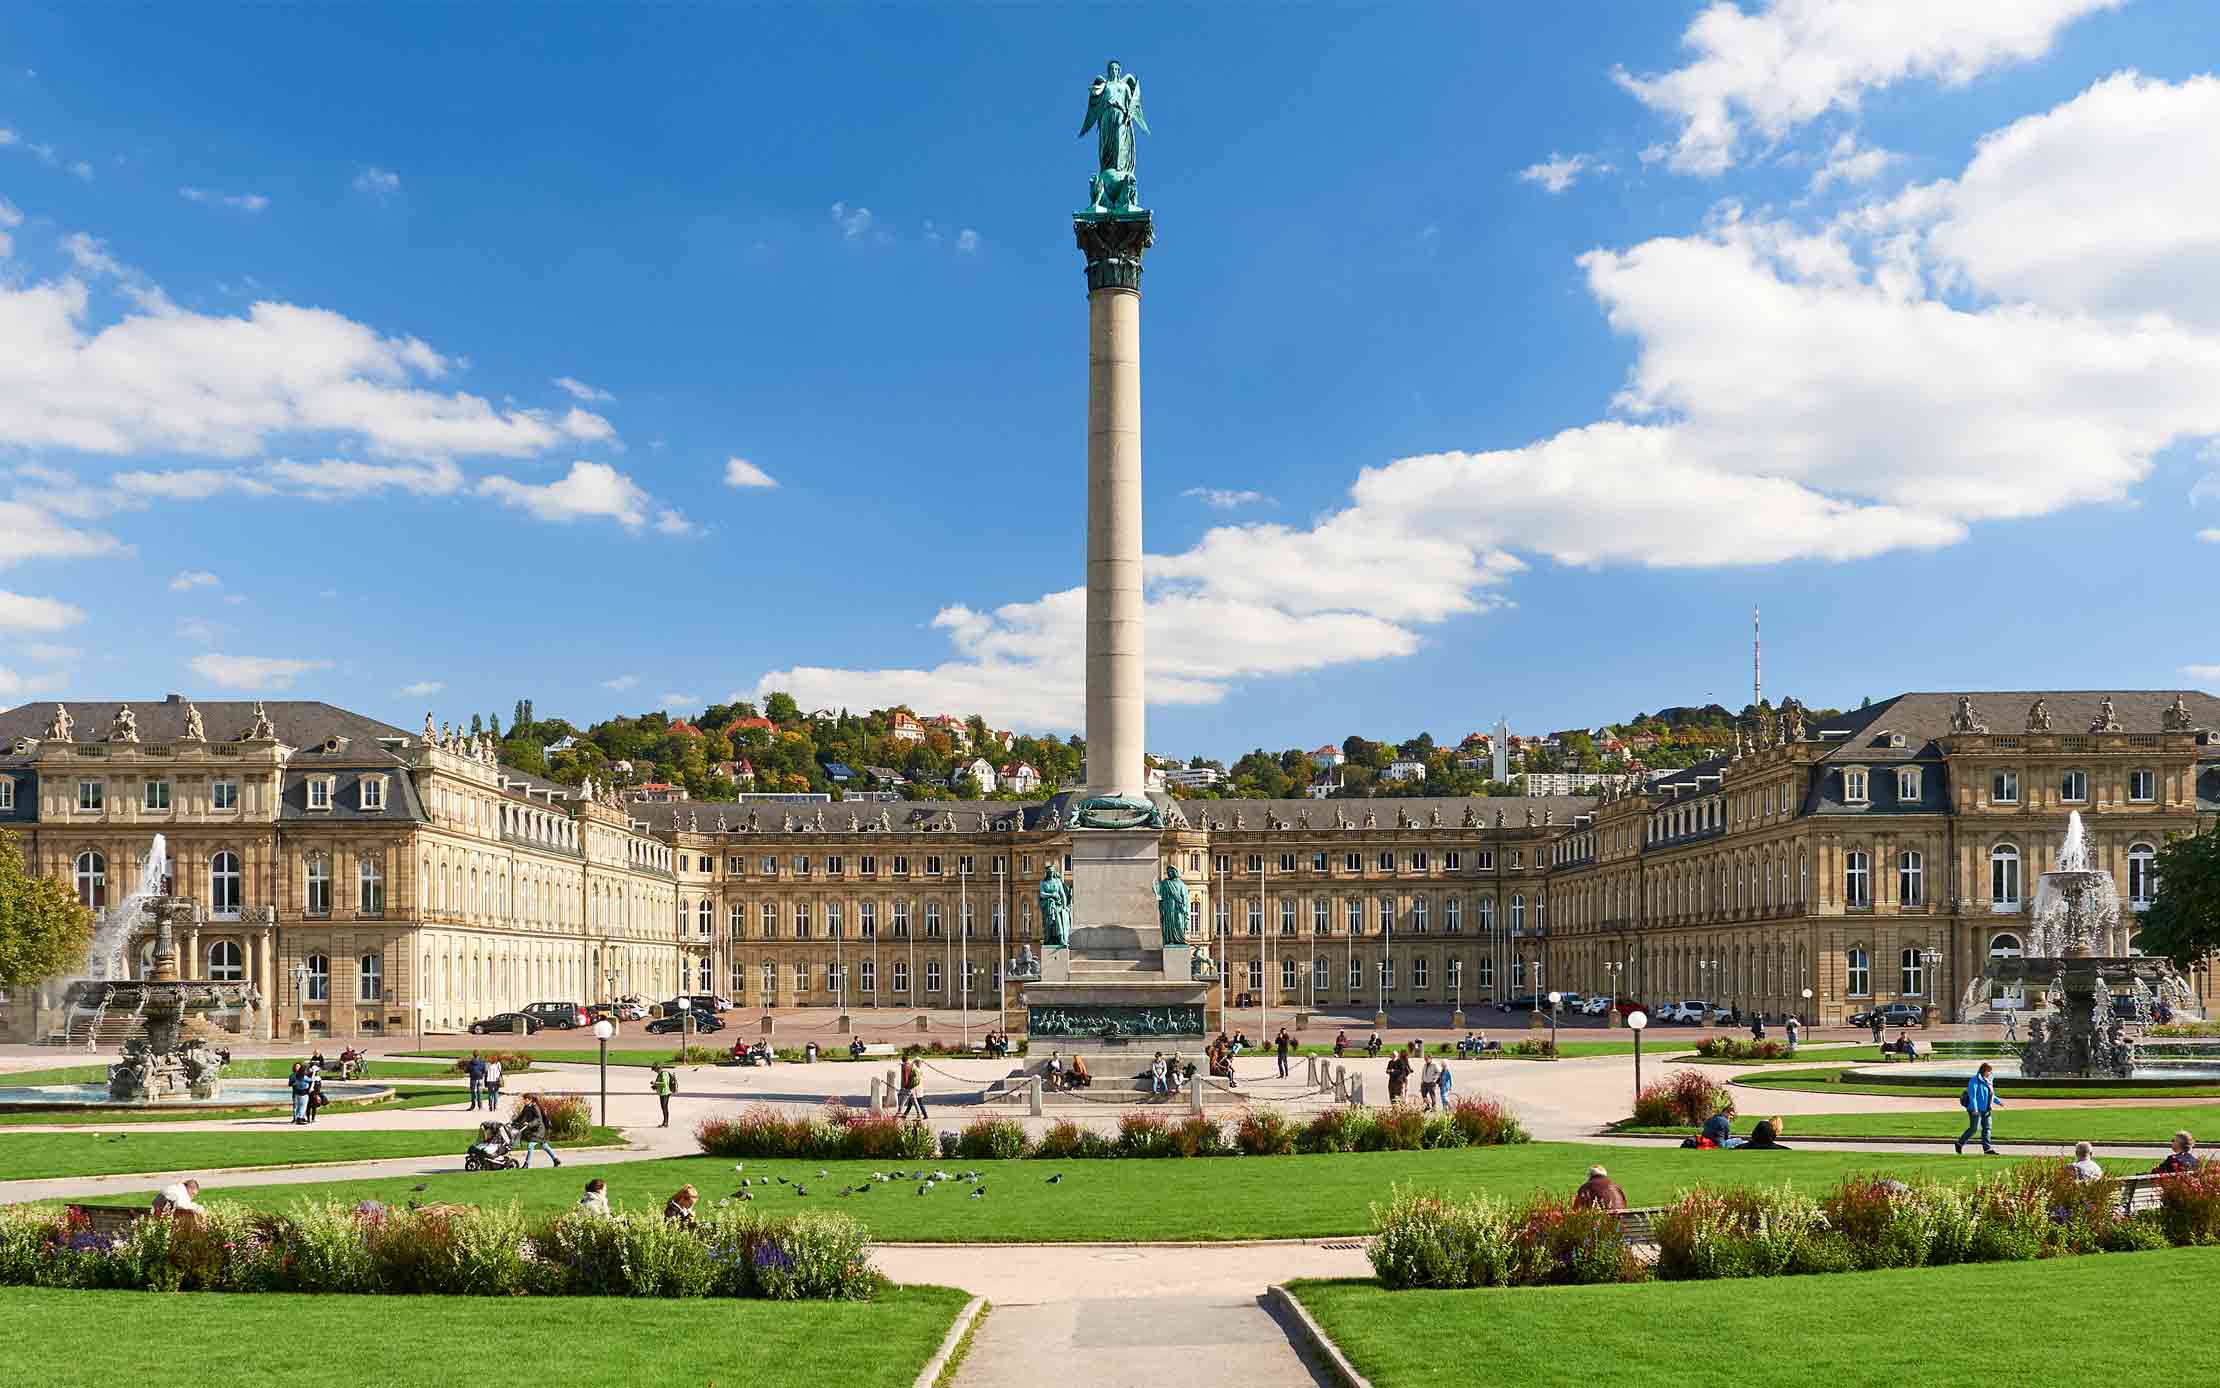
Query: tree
(2183, 924)
(781, 709)
(477, 725)
(44, 929)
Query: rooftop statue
(1113, 113)
(60, 726)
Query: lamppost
(1932, 958)
(1613, 974)
(603, 1030)
(423, 1005)
(1636, 1021)
(300, 999)
(963, 924)
(1707, 971)
(1807, 1007)
(1554, 999)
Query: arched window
(2004, 946)
(1287, 974)
(1453, 915)
(92, 880)
(1256, 916)
(1387, 915)
(319, 885)
(1857, 879)
(1518, 911)
(1419, 923)
(2142, 874)
(225, 964)
(1911, 972)
(705, 917)
(223, 884)
(1486, 909)
(319, 978)
(1861, 972)
(1911, 878)
(2004, 878)
(370, 875)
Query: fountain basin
(28, 1098)
(2149, 1072)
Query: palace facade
(372, 880)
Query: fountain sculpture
(2078, 950)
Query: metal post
(963, 923)
(604, 1042)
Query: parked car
(505, 1021)
(704, 1020)
(558, 1014)
(1689, 1013)
(631, 1010)
(1525, 1003)
(1903, 1014)
(1596, 1006)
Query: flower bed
(1735, 1048)
(569, 1117)
(2030, 1210)
(450, 1250)
(1683, 1099)
(840, 1132)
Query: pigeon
(800, 1189)
(418, 1187)
(846, 1191)
(739, 1166)
(863, 1190)
(823, 1174)
(923, 1188)
(747, 1195)
(782, 1180)
(1057, 1179)
(979, 1193)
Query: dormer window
(319, 793)
(1907, 784)
(1853, 785)
(373, 792)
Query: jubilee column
(1113, 242)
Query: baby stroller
(491, 1152)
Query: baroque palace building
(372, 880)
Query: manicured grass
(1202, 1199)
(404, 1097)
(1836, 1082)
(40, 1156)
(1921, 1325)
(53, 1339)
(2095, 1123)
(240, 1069)
(589, 1056)
(1870, 1055)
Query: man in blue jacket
(1980, 1101)
(475, 1067)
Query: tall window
(2004, 787)
(319, 885)
(1287, 974)
(370, 977)
(2142, 874)
(1486, 909)
(319, 978)
(1518, 911)
(1387, 974)
(1911, 878)
(1857, 879)
(223, 884)
(1256, 917)
(867, 977)
(705, 917)
(932, 932)
(901, 924)
(1907, 783)
(223, 795)
(1853, 785)
(1353, 917)
(92, 880)
(1356, 973)
(1911, 972)
(371, 873)
(867, 919)
(1453, 915)
(225, 964)
(737, 917)
(1487, 974)
(2142, 786)
(1387, 915)
(932, 975)
(770, 919)
(1321, 976)
(801, 920)
(1418, 971)
(1456, 974)
(1287, 915)
(2073, 787)
(2004, 878)
(91, 795)
(157, 795)
(1861, 972)
(1419, 921)
(1321, 916)
(833, 920)
(771, 980)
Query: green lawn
(589, 1056)
(404, 1097)
(1202, 1199)
(40, 1156)
(1937, 1327)
(1836, 1082)
(52, 1339)
(2096, 1123)
(241, 1069)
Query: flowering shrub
(1264, 1132)
(1197, 1136)
(763, 1131)
(1683, 1099)
(1144, 1135)
(1735, 1233)
(1734, 1048)
(1002, 1138)
(569, 1117)
(1062, 1140)
(446, 1250)
(512, 1062)
(1399, 1128)
(1425, 1240)
(2189, 1205)
(879, 1135)
(1560, 1244)
(1533, 1045)
(1484, 1123)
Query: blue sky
(1492, 364)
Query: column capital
(1113, 244)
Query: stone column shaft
(1116, 697)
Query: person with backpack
(531, 1127)
(666, 1084)
(1979, 1102)
(912, 1093)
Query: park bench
(881, 1048)
(110, 1221)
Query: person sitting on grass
(1765, 1137)
(679, 1209)
(1719, 1130)
(596, 1199)
(2084, 1165)
(1599, 1192)
(2182, 1158)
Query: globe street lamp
(1614, 976)
(1636, 1021)
(603, 1030)
(1554, 999)
(1932, 958)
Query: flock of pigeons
(927, 1181)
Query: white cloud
(253, 671)
(679, 703)
(580, 390)
(1766, 72)
(52, 654)
(423, 687)
(243, 202)
(234, 599)
(189, 579)
(14, 685)
(1225, 498)
(854, 222)
(10, 219)
(587, 491)
(199, 630)
(333, 479)
(1561, 171)
(34, 532)
(378, 185)
(21, 613)
(1851, 163)
(621, 683)
(967, 241)
(739, 472)
(2202, 672)
(2210, 537)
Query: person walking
(1874, 1020)
(493, 1084)
(1979, 1101)
(1795, 1031)
(1428, 1078)
(666, 1084)
(1398, 1075)
(1285, 1045)
(912, 1094)
(2012, 1027)
(531, 1127)
(316, 1099)
(298, 1084)
(475, 1068)
(1441, 1083)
